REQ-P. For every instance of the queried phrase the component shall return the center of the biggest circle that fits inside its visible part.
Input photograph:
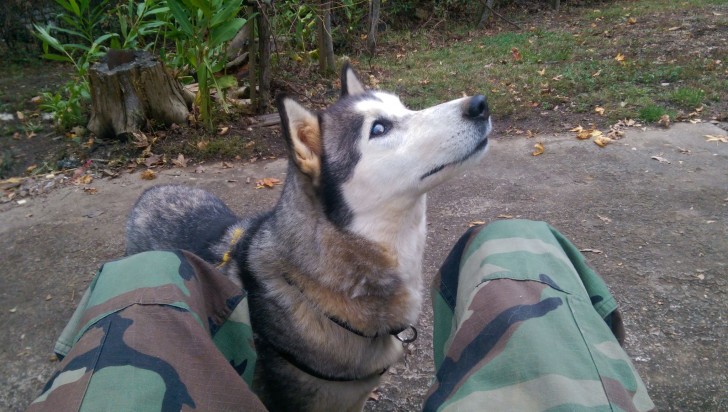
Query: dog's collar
(394, 332)
(345, 325)
(298, 364)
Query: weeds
(687, 97)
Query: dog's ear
(303, 136)
(350, 84)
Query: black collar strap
(293, 360)
(345, 325)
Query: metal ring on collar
(409, 339)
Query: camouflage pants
(521, 323)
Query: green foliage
(137, 21)
(298, 22)
(67, 105)
(201, 29)
(687, 97)
(81, 22)
(652, 113)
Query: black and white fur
(333, 271)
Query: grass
(570, 65)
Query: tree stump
(130, 89)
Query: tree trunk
(374, 6)
(253, 62)
(556, 4)
(264, 33)
(130, 89)
(487, 8)
(325, 42)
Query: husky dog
(333, 272)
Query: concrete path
(658, 231)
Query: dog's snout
(476, 107)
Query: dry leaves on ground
(148, 174)
(538, 149)
(180, 161)
(268, 182)
(718, 138)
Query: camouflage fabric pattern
(157, 331)
(522, 324)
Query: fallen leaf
(20, 115)
(226, 165)
(268, 182)
(180, 161)
(516, 54)
(88, 144)
(36, 100)
(631, 20)
(719, 138)
(558, 78)
(90, 190)
(599, 72)
(664, 120)
(85, 179)
(602, 141)
(222, 131)
(584, 134)
(13, 310)
(502, 216)
(30, 168)
(577, 129)
(154, 160)
(599, 110)
(700, 276)
(539, 149)
(202, 144)
(48, 297)
(93, 214)
(604, 219)
(530, 134)
(660, 159)
(140, 140)
(619, 57)
(542, 71)
(148, 175)
(476, 223)
(109, 173)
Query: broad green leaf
(181, 17)
(56, 57)
(225, 32)
(230, 10)
(226, 82)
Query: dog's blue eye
(378, 129)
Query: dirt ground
(659, 229)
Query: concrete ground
(658, 231)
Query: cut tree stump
(130, 89)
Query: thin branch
(501, 16)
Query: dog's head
(368, 152)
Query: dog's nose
(476, 107)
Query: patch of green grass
(652, 113)
(572, 67)
(687, 97)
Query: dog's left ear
(303, 137)
(350, 83)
